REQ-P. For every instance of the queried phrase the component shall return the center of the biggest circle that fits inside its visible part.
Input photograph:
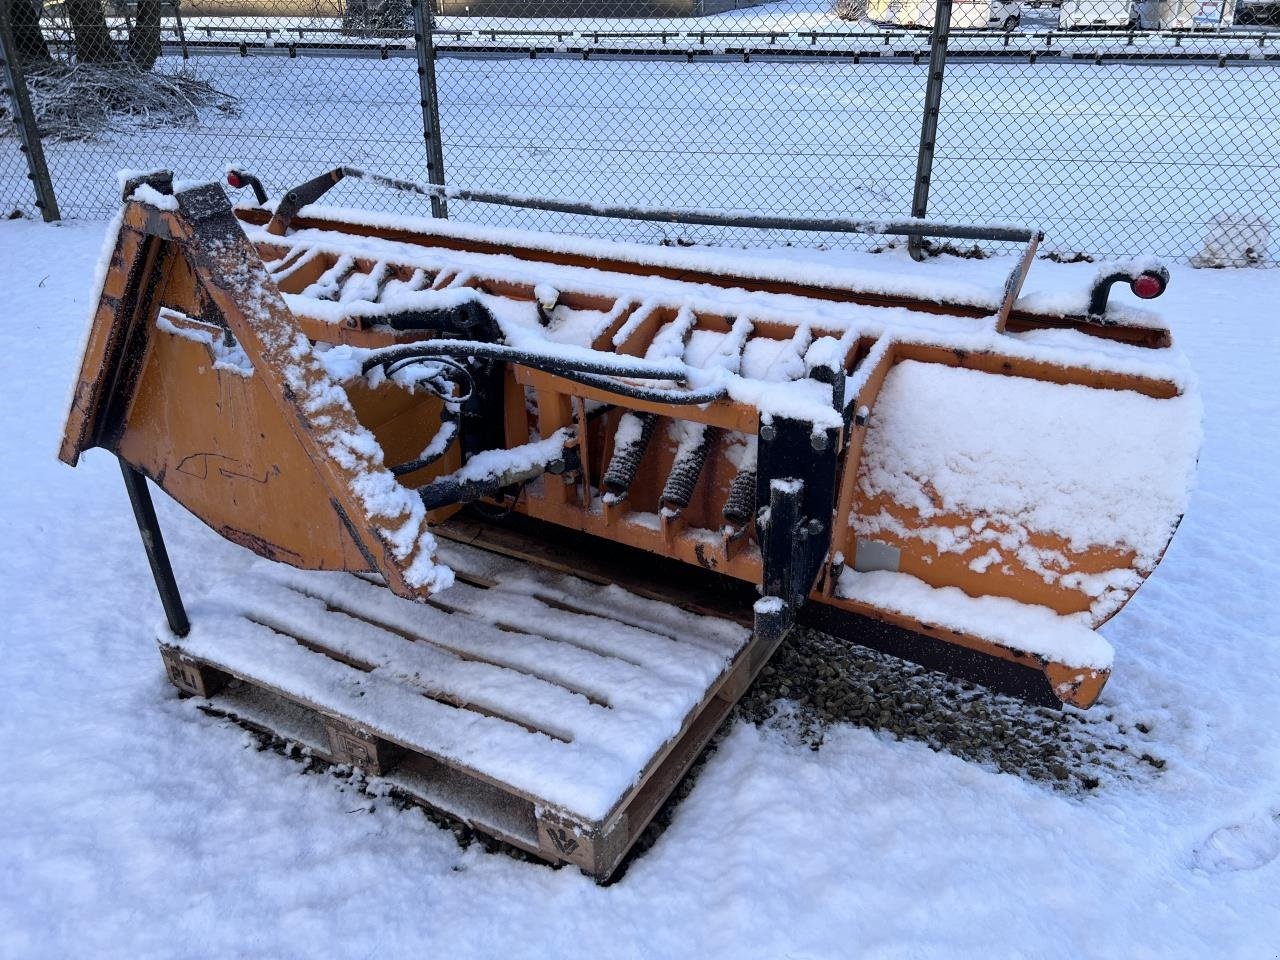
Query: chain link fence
(1118, 127)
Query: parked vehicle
(1147, 14)
(1086, 14)
(965, 14)
(1185, 14)
(1258, 13)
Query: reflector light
(1147, 286)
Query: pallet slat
(521, 731)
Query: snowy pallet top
(560, 688)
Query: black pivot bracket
(796, 487)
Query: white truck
(965, 14)
(1146, 14)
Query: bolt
(767, 432)
(818, 441)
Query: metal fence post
(929, 121)
(25, 120)
(424, 25)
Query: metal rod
(144, 512)
(929, 123)
(703, 217)
(424, 27)
(24, 120)
(231, 48)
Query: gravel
(816, 682)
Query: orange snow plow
(543, 507)
(971, 483)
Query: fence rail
(1123, 141)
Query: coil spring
(740, 505)
(625, 461)
(678, 490)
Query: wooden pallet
(547, 710)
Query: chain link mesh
(1117, 127)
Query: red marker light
(233, 178)
(1147, 286)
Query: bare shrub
(849, 9)
(82, 101)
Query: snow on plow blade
(942, 472)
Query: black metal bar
(303, 194)
(929, 122)
(24, 120)
(994, 673)
(796, 495)
(716, 218)
(144, 512)
(679, 216)
(424, 28)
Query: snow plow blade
(948, 474)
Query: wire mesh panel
(287, 94)
(1116, 143)
(1119, 126)
(782, 136)
(777, 107)
(17, 191)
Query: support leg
(149, 527)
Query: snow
(145, 193)
(579, 755)
(492, 464)
(226, 352)
(768, 605)
(135, 826)
(1034, 629)
(1235, 240)
(1096, 468)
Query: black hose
(452, 374)
(584, 371)
(429, 349)
(649, 394)
(447, 417)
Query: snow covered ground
(135, 826)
